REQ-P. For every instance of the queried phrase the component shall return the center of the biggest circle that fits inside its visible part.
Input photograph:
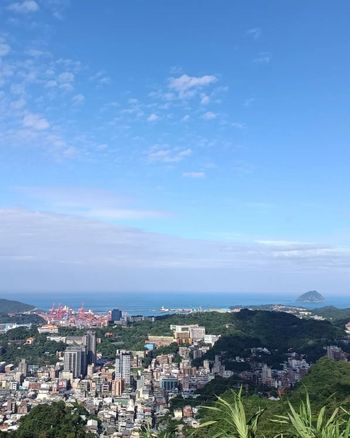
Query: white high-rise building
(197, 333)
(123, 366)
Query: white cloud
(243, 167)
(238, 125)
(24, 7)
(66, 80)
(66, 77)
(78, 99)
(35, 121)
(205, 99)
(209, 115)
(195, 175)
(36, 53)
(167, 154)
(83, 202)
(263, 58)
(254, 32)
(152, 118)
(18, 104)
(48, 250)
(101, 78)
(51, 83)
(124, 214)
(185, 84)
(249, 102)
(4, 48)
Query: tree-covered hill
(57, 420)
(244, 329)
(328, 382)
(333, 313)
(10, 306)
(311, 297)
(42, 351)
(277, 331)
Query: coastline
(143, 303)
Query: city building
(123, 366)
(75, 361)
(169, 384)
(90, 343)
(23, 367)
(116, 315)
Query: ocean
(149, 303)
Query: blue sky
(174, 145)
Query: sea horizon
(150, 303)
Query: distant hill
(10, 306)
(311, 297)
(333, 313)
(277, 331)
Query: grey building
(75, 361)
(123, 366)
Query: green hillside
(243, 329)
(57, 420)
(278, 332)
(10, 306)
(333, 313)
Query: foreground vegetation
(230, 420)
(57, 420)
(224, 419)
(324, 391)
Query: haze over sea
(136, 303)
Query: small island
(311, 297)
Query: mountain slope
(10, 306)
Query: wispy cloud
(35, 121)
(249, 102)
(254, 32)
(96, 204)
(4, 47)
(243, 167)
(18, 104)
(165, 154)
(47, 248)
(152, 117)
(185, 85)
(124, 214)
(209, 115)
(100, 78)
(194, 175)
(78, 99)
(205, 99)
(262, 58)
(24, 7)
(238, 125)
(66, 80)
